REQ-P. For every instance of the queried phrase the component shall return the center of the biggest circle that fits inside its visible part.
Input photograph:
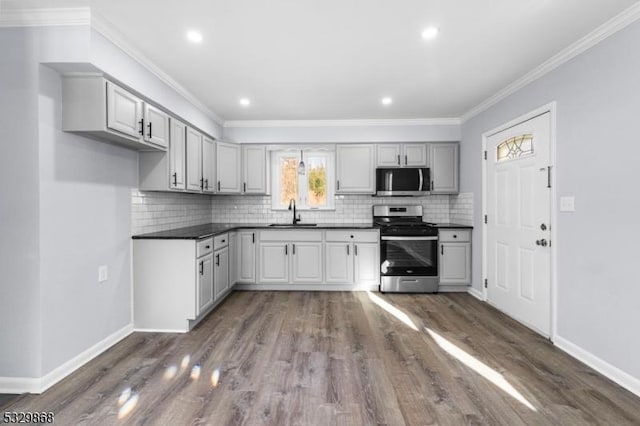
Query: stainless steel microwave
(402, 182)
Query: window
(312, 190)
(515, 147)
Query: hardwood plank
(339, 358)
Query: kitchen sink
(291, 225)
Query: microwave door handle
(421, 180)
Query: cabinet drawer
(220, 241)
(352, 235)
(291, 235)
(204, 247)
(454, 235)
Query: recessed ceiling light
(387, 101)
(245, 102)
(194, 36)
(430, 32)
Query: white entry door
(518, 222)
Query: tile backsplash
(159, 211)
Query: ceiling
(336, 59)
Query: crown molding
(45, 17)
(344, 123)
(108, 31)
(612, 26)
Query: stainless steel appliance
(408, 250)
(405, 181)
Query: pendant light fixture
(301, 167)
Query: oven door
(409, 256)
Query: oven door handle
(409, 238)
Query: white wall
(333, 134)
(598, 110)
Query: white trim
(344, 123)
(551, 109)
(622, 378)
(612, 26)
(307, 287)
(48, 17)
(104, 27)
(160, 330)
(39, 385)
(476, 293)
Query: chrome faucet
(292, 202)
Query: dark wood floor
(314, 358)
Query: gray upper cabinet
(228, 168)
(95, 107)
(445, 169)
(402, 155)
(156, 126)
(194, 160)
(208, 164)
(254, 169)
(355, 169)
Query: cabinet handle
(398, 159)
(455, 236)
(442, 249)
(286, 250)
(244, 187)
(430, 189)
(218, 185)
(253, 238)
(405, 160)
(149, 127)
(202, 268)
(201, 183)
(347, 249)
(207, 247)
(293, 246)
(175, 179)
(338, 188)
(355, 249)
(217, 260)
(206, 184)
(141, 123)
(224, 241)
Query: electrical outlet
(103, 273)
(568, 204)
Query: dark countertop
(452, 225)
(199, 232)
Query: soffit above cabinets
(335, 60)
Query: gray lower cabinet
(246, 257)
(353, 258)
(455, 256)
(221, 272)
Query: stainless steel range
(408, 250)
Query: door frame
(551, 109)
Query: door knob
(541, 242)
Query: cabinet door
(366, 264)
(156, 126)
(246, 259)
(307, 262)
(444, 167)
(228, 167)
(415, 155)
(221, 272)
(208, 162)
(194, 160)
(254, 170)
(455, 263)
(274, 262)
(233, 258)
(124, 111)
(339, 263)
(205, 283)
(177, 155)
(389, 155)
(355, 169)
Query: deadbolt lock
(543, 227)
(541, 242)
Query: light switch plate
(103, 273)
(568, 204)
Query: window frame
(301, 201)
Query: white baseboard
(39, 385)
(306, 287)
(160, 330)
(622, 378)
(476, 293)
